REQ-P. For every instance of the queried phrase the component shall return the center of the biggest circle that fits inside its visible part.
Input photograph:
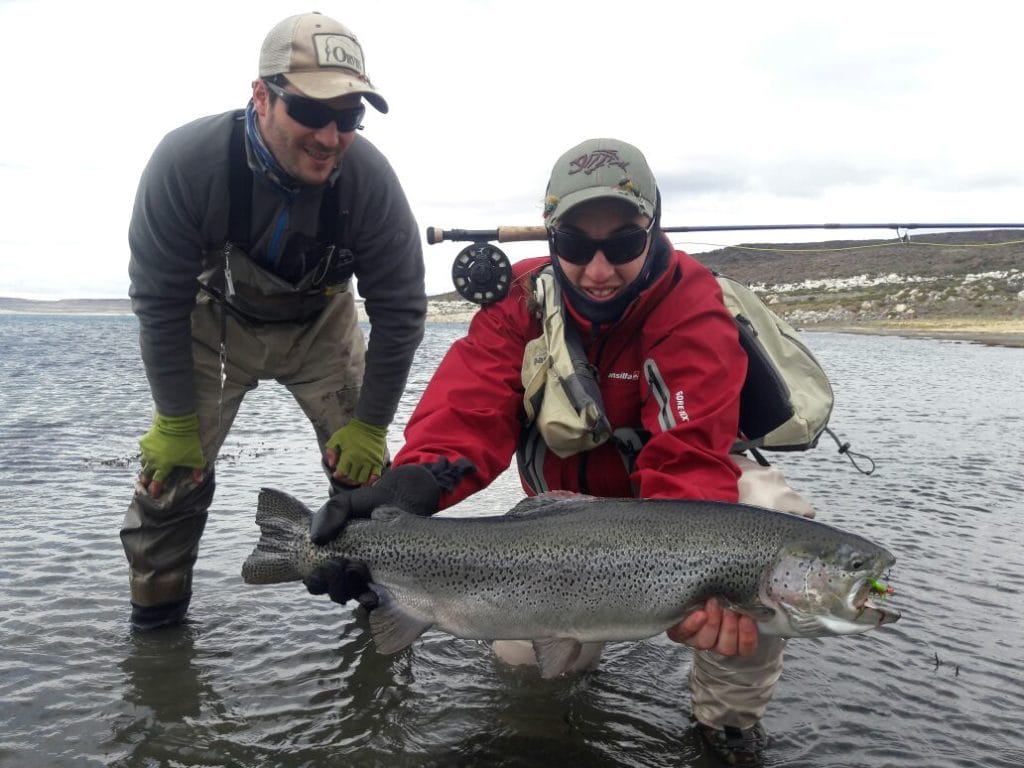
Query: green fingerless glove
(173, 441)
(360, 448)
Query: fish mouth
(866, 601)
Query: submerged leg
(730, 694)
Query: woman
(641, 343)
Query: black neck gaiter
(606, 312)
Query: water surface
(270, 676)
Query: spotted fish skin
(586, 570)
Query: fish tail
(283, 522)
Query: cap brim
(571, 200)
(331, 85)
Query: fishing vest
(322, 266)
(562, 400)
(785, 402)
(561, 395)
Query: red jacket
(678, 328)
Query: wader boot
(736, 746)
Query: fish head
(828, 586)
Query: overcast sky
(748, 112)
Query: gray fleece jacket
(181, 211)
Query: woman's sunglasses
(315, 114)
(618, 249)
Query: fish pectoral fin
(556, 655)
(756, 611)
(392, 627)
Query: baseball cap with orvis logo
(320, 56)
(600, 168)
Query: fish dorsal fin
(393, 628)
(556, 655)
(552, 501)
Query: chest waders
(254, 295)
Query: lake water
(271, 676)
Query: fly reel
(482, 273)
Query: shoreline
(992, 333)
(975, 330)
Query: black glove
(343, 580)
(411, 487)
(448, 474)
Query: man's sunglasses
(315, 114)
(618, 249)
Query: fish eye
(858, 562)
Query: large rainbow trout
(568, 571)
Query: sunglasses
(315, 114)
(618, 249)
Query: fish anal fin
(393, 628)
(556, 655)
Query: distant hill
(71, 306)
(943, 254)
(937, 276)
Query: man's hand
(172, 441)
(411, 487)
(356, 452)
(714, 629)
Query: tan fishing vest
(561, 395)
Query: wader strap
(583, 385)
(239, 187)
(239, 215)
(223, 361)
(530, 454)
(628, 441)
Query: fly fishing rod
(482, 272)
(518, 234)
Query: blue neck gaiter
(261, 159)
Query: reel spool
(482, 273)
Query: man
(612, 368)
(246, 231)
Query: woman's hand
(716, 629)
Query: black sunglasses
(618, 249)
(315, 114)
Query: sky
(748, 113)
